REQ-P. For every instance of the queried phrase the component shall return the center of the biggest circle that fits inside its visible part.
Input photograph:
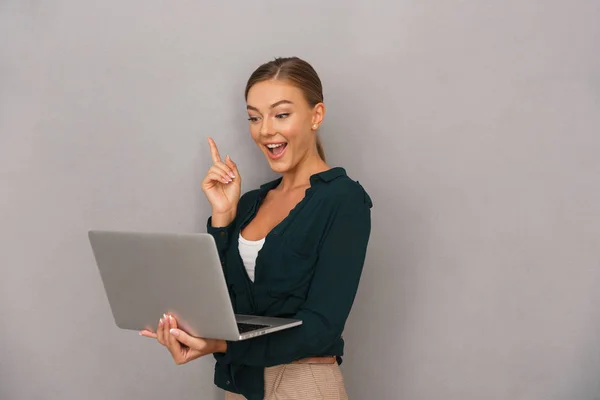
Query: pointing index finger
(213, 150)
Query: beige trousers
(302, 382)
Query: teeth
(274, 146)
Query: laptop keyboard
(243, 328)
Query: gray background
(474, 125)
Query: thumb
(189, 341)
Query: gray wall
(474, 125)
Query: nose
(266, 128)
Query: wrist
(220, 346)
(222, 219)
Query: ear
(318, 115)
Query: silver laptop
(148, 274)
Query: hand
(222, 184)
(183, 347)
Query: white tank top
(248, 252)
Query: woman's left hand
(183, 347)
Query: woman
(293, 248)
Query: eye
(282, 115)
(252, 119)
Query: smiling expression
(282, 123)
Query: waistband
(317, 360)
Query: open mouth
(276, 149)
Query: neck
(300, 175)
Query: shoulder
(343, 191)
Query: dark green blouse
(308, 268)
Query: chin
(279, 167)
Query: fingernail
(174, 332)
(165, 316)
(170, 318)
(231, 174)
(160, 321)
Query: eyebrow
(280, 102)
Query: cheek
(292, 130)
(255, 132)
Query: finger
(174, 345)
(160, 332)
(224, 167)
(148, 334)
(232, 165)
(213, 150)
(218, 176)
(166, 328)
(190, 341)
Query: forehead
(265, 93)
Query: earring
(315, 126)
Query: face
(282, 123)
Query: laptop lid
(148, 274)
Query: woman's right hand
(222, 184)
